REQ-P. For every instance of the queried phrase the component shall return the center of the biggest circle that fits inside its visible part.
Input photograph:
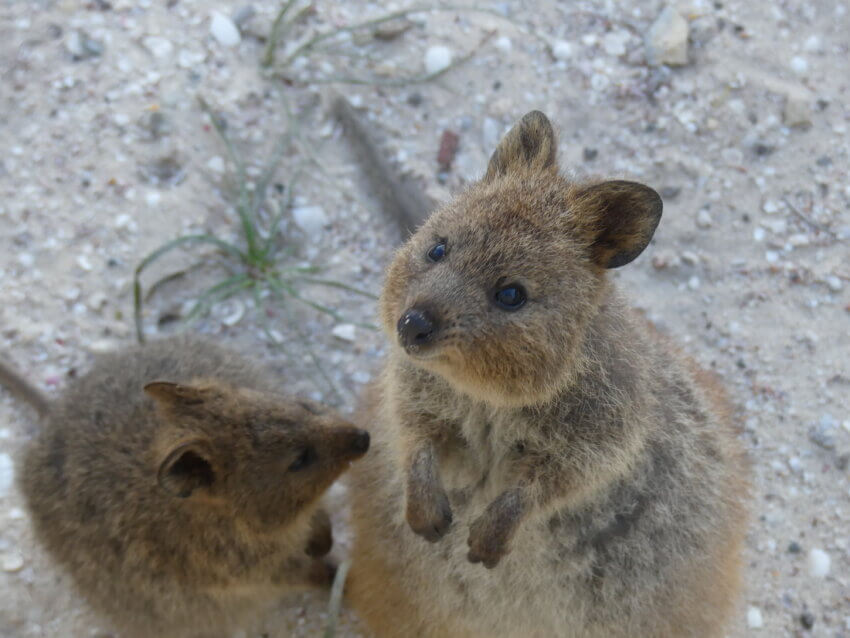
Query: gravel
(759, 295)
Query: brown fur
(180, 490)
(562, 445)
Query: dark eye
(510, 297)
(437, 252)
(307, 457)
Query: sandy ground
(106, 155)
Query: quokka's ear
(168, 394)
(530, 145)
(187, 468)
(619, 218)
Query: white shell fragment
(437, 58)
(223, 30)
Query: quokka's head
(495, 290)
(263, 458)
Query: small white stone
(797, 111)
(614, 43)
(503, 44)
(770, 207)
(310, 219)
(812, 44)
(344, 331)
(667, 39)
(834, 283)
(17, 514)
(216, 164)
(84, 263)
(121, 119)
(776, 226)
(819, 563)
(152, 199)
(704, 218)
(7, 473)
(437, 58)
(562, 50)
(754, 619)
(694, 283)
(237, 311)
(799, 65)
(758, 234)
(223, 30)
(771, 256)
(158, 46)
(12, 562)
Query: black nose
(415, 328)
(361, 442)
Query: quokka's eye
(437, 252)
(304, 460)
(510, 297)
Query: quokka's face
(494, 291)
(265, 458)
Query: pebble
(819, 563)
(704, 218)
(754, 618)
(503, 44)
(799, 65)
(667, 39)
(807, 619)
(797, 111)
(310, 219)
(834, 283)
(694, 283)
(223, 30)
(614, 43)
(158, 46)
(12, 562)
(7, 473)
(770, 207)
(235, 311)
(216, 164)
(81, 46)
(344, 331)
(437, 58)
(562, 50)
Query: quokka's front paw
(486, 544)
(431, 517)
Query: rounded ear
(620, 218)
(530, 145)
(186, 468)
(170, 394)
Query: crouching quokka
(180, 490)
(543, 463)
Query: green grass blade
(276, 33)
(159, 252)
(337, 284)
(243, 204)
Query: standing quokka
(180, 490)
(543, 464)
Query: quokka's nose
(360, 444)
(415, 328)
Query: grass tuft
(254, 260)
